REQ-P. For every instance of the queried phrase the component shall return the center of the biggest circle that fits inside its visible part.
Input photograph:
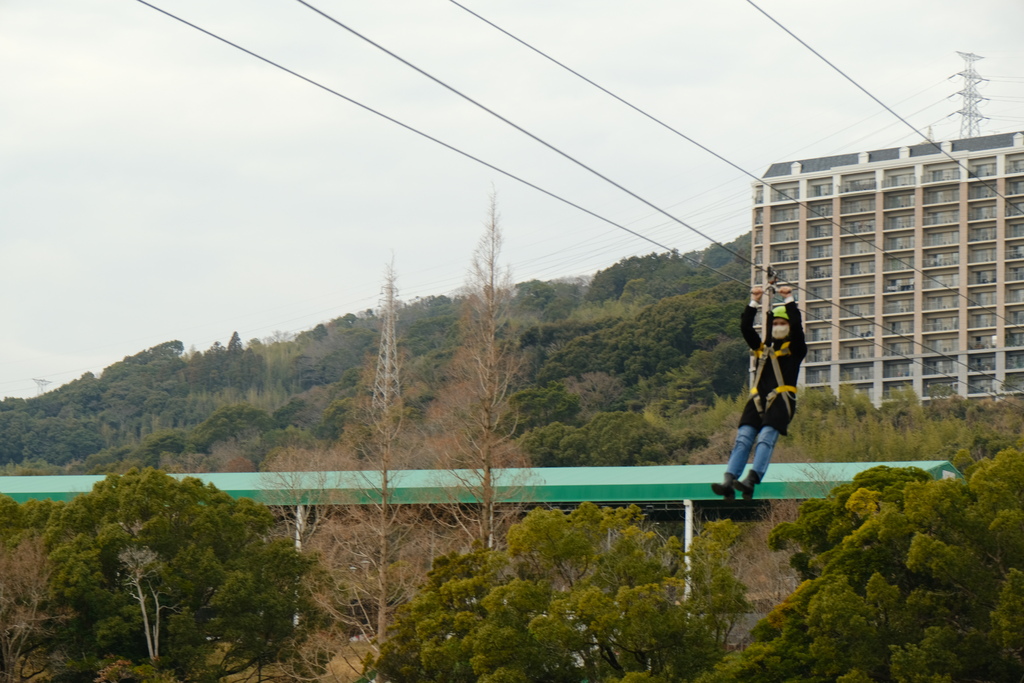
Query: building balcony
(941, 217)
(858, 186)
(903, 180)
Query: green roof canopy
(556, 486)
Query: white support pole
(687, 540)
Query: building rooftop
(822, 164)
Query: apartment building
(909, 265)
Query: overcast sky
(156, 184)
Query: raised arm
(747, 319)
(797, 341)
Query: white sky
(156, 184)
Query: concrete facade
(909, 265)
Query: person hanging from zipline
(773, 392)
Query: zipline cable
(507, 174)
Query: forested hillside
(643, 364)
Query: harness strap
(784, 390)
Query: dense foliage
(228, 407)
(150, 570)
(906, 579)
(589, 595)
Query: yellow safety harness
(763, 355)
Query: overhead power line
(735, 166)
(505, 120)
(741, 170)
(491, 166)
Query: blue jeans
(745, 437)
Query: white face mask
(780, 331)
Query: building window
(936, 303)
(823, 210)
(982, 255)
(899, 222)
(941, 217)
(981, 363)
(785, 194)
(942, 239)
(982, 234)
(981, 191)
(901, 180)
(856, 373)
(983, 320)
(858, 227)
(859, 185)
(949, 258)
(899, 242)
(983, 277)
(816, 231)
(866, 331)
(941, 175)
(859, 289)
(899, 349)
(942, 281)
(854, 247)
(901, 263)
(896, 369)
(938, 366)
(982, 170)
(899, 284)
(856, 352)
(821, 292)
(979, 385)
(903, 327)
(784, 234)
(787, 214)
(899, 201)
(818, 375)
(819, 355)
(982, 299)
(857, 205)
(981, 341)
(942, 324)
(816, 334)
(982, 213)
(819, 313)
(899, 306)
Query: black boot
(746, 486)
(725, 488)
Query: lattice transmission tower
(386, 387)
(970, 117)
(41, 385)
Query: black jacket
(776, 416)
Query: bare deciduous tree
(142, 572)
(475, 438)
(24, 620)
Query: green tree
(609, 439)
(906, 579)
(588, 595)
(538, 406)
(231, 422)
(150, 567)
